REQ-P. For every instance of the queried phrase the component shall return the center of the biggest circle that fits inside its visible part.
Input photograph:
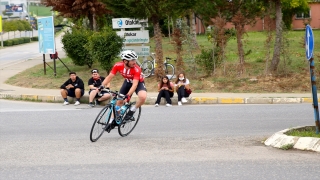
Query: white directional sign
(121, 23)
(134, 37)
(309, 42)
(140, 50)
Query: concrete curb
(151, 100)
(280, 140)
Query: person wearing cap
(94, 83)
(73, 87)
(133, 81)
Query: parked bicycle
(148, 67)
(103, 121)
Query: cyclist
(134, 80)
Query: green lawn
(40, 10)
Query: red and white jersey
(129, 74)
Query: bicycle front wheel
(169, 70)
(146, 68)
(127, 126)
(100, 123)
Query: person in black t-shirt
(94, 83)
(73, 87)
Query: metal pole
(314, 95)
(54, 67)
(44, 64)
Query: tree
(105, 46)
(239, 12)
(287, 6)
(154, 10)
(244, 13)
(77, 9)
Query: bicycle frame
(117, 117)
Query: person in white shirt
(182, 85)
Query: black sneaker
(129, 116)
(91, 104)
(110, 126)
(97, 102)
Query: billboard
(46, 35)
(14, 8)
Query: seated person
(182, 85)
(94, 83)
(165, 89)
(73, 87)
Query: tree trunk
(277, 46)
(178, 48)
(90, 17)
(193, 30)
(158, 41)
(239, 33)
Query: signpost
(46, 39)
(133, 37)
(309, 41)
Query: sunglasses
(94, 71)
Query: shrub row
(16, 41)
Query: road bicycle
(147, 67)
(104, 122)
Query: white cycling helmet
(129, 55)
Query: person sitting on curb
(165, 89)
(94, 83)
(182, 85)
(73, 87)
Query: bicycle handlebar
(122, 96)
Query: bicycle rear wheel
(169, 70)
(146, 68)
(100, 123)
(127, 126)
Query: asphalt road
(15, 54)
(51, 141)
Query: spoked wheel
(100, 123)
(127, 126)
(169, 70)
(146, 68)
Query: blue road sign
(46, 35)
(309, 42)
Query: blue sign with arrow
(309, 42)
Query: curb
(151, 100)
(280, 140)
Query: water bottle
(123, 109)
(118, 111)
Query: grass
(296, 78)
(287, 147)
(304, 132)
(40, 10)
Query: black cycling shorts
(127, 85)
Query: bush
(26, 39)
(105, 46)
(205, 60)
(74, 42)
(21, 40)
(15, 41)
(34, 38)
(7, 43)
